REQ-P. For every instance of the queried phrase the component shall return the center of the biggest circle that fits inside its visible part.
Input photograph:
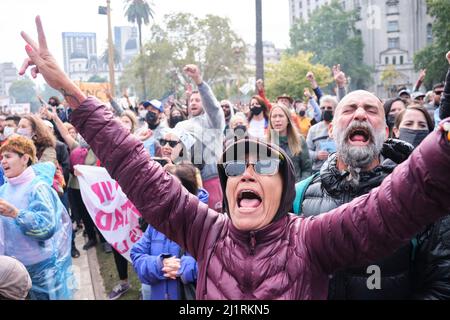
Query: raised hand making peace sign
(40, 60)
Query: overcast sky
(81, 16)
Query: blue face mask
(414, 137)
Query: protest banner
(113, 214)
(95, 89)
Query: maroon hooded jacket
(292, 257)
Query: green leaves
(289, 76)
(183, 39)
(432, 57)
(331, 35)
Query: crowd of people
(284, 199)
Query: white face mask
(25, 132)
(142, 114)
(8, 131)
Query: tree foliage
(24, 91)
(289, 76)
(184, 39)
(332, 36)
(432, 57)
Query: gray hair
(331, 99)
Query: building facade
(8, 74)
(126, 42)
(81, 59)
(271, 54)
(78, 49)
(392, 32)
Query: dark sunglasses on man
(171, 143)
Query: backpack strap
(300, 190)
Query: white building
(392, 32)
(271, 54)
(127, 43)
(81, 60)
(77, 46)
(8, 74)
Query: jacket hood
(45, 171)
(241, 148)
(336, 182)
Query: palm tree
(259, 43)
(139, 12)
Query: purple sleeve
(375, 225)
(160, 198)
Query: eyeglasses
(171, 143)
(438, 92)
(225, 106)
(268, 167)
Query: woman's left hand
(8, 210)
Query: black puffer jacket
(420, 269)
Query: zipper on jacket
(252, 243)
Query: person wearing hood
(413, 125)
(37, 228)
(419, 269)
(293, 255)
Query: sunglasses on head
(267, 167)
(171, 143)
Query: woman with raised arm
(257, 250)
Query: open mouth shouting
(248, 200)
(359, 136)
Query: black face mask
(176, 119)
(415, 137)
(302, 113)
(327, 116)
(256, 111)
(240, 130)
(391, 121)
(152, 120)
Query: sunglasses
(237, 168)
(438, 92)
(171, 143)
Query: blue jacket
(147, 256)
(40, 236)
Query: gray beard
(358, 158)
